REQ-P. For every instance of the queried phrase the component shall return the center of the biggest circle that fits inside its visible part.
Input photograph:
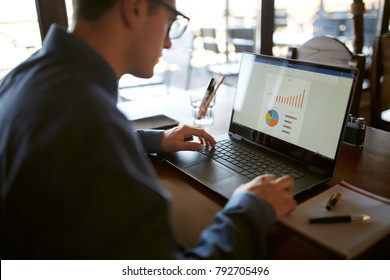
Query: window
(225, 18)
(69, 11)
(19, 33)
(308, 18)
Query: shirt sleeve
(151, 139)
(239, 231)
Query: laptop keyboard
(246, 162)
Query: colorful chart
(294, 101)
(272, 118)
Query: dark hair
(91, 9)
(94, 9)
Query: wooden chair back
(380, 82)
(331, 51)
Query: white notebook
(345, 239)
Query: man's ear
(131, 9)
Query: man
(75, 181)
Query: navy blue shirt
(75, 182)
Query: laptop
(288, 117)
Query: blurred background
(219, 31)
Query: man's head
(130, 34)
(93, 9)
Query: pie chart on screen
(272, 118)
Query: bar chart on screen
(286, 102)
(295, 101)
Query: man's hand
(276, 191)
(175, 139)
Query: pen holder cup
(202, 117)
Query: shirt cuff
(253, 206)
(151, 139)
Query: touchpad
(209, 172)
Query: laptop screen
(292, 107)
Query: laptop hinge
(316, 170)
(235, 136)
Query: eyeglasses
(179, 25)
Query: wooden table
(194, 206)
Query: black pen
(209, 90)
(339, 219)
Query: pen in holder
(210, 98)
(203, 105)
(196, 100)
(206, 96)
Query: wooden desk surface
(194, 206)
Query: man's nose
(167, 42)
